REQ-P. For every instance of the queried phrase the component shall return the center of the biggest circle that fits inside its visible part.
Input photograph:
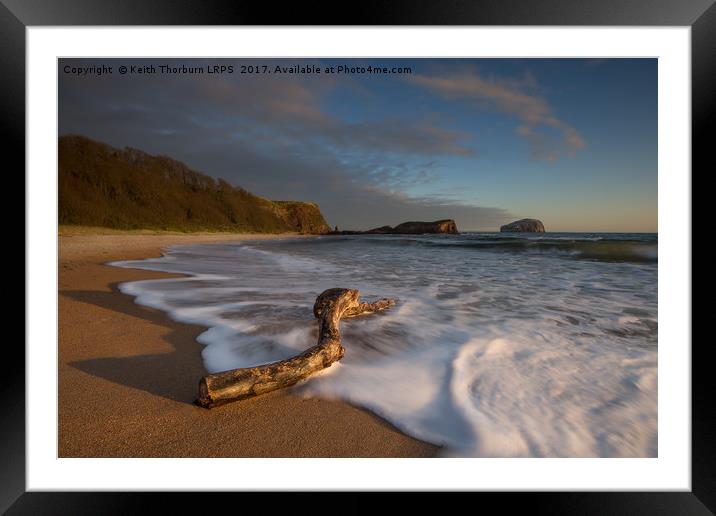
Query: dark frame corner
(700, 15)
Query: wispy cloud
(292, 107)
(535, 115)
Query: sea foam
(491, 350)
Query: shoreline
(128, 374)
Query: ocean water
(500, 345)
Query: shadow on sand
(174, 375)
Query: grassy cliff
(130, 189)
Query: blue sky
(572, 142)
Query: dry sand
(128, 375)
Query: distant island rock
(523, 226)
(446, 226)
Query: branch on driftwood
(330, 307)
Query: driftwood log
(329, 308)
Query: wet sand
(128, 375)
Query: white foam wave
(486, 355)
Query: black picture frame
(700, 15)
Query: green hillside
(129, 189)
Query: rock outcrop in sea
(446, 226)
(419, 228)
(523, 226)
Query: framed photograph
(443, 248)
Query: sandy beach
(128, 375)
